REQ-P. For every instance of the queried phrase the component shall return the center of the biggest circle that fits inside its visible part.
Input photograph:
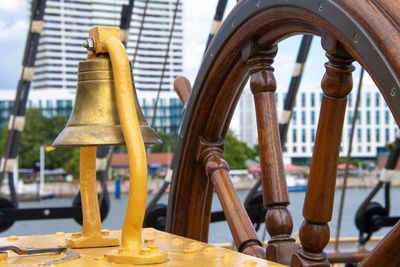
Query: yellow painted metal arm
(131, 230)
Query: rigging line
(17, 118)
(125, 21)
(216, 24)
(220, 12)
(294, 85)
(136, 48)
(171, 32)
(346, 174)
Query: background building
(60, 50)
(67, 24)
(374, 129)
(54, 102)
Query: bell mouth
(101, 135)
(82, 135)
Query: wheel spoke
(217, 169)
(278, 220)
(336, 85)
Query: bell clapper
(91, 235)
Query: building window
(377, 117)
(294, 117)
(368, 115)
(368, 100)
(350, 118)
(387, 116)
(294, 136)
(359, 135)
(368, 135)
(303, 100)
(312, 100)
(378, 135)
(303, 117)
(312, 117)
(303, 135)
(377, 99)
(312, 135)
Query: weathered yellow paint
(181, 252)
(91, 235)
(106, 39)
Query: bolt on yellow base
(149, 254)
(93, 240)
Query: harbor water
(219, 232)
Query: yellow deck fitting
(132, 251)
(182, 252)
(91, 235)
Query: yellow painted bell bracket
(106, 112)
(132, 251)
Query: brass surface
(94, 119)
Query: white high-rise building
(374, 129)
(66, 26)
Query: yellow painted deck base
(181, 252)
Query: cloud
(11, 6)
(198, 16)
(15, 31)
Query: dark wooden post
(336, 85)
(278, 220)
(217, 169)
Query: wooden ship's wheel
(364, 31)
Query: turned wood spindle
(336, 85)
(217, 169)
(278, 219)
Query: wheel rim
(217, 90)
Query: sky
(197, 19)
(198, 16)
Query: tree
(168, 145)
(40, 131)
(237, 152)
(34, 135)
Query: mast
(17, 118)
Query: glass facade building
(66, 26)
(67, 23)
(374, 129)
(54, 102)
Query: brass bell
(94, 120)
